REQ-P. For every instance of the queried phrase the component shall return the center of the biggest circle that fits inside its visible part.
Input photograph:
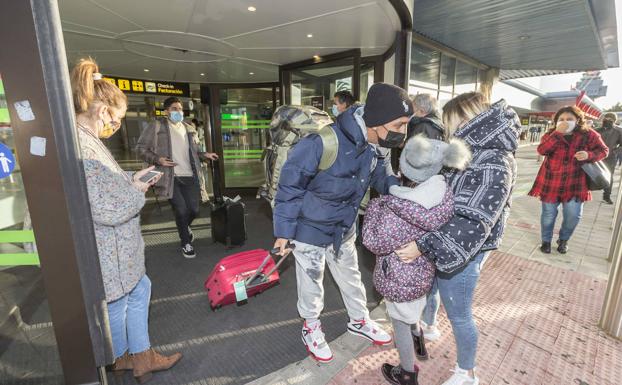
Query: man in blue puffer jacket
(318, 210)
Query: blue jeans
(128, 317)
(572, 212)
(431, 306)
(456, 291)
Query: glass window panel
(448, 67)
(16, 276)
(245, 119)
(316, 84)
(367, 80)
(424, 67)
(443, 98)
(466, 78)
(412, 91)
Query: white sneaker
(188, 251)
(461, 377)
(370, 330)
(431, 333)
(316, 344)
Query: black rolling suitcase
(227, 215)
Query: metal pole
(34, 70)
(611, 317)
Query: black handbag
(598, 175)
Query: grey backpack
(289, 124)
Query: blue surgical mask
(335, 110)
(176, 116)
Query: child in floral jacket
(422, 204)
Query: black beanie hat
(385, 103)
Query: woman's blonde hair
(462, 108)
(89, 88)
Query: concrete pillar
(611, 317)
(487, 81)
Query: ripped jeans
(310, 264)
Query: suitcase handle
(273, 253)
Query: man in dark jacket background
(426, 120)
(317, 210)
(612, 136)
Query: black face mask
(393, 139)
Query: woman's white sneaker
(370, 330)
(431, 333)
(313, 338)
(461, 377)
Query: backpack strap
(330, 144)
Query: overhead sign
(7, 161)
(153, 87)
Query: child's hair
(89, 88)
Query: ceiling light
(146, 70)
(524, 37)
(309, 35)
(252, 9)
(202, 74)
(251, 73)
(316, 57)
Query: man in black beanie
(316, 210)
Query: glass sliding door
(245, 115)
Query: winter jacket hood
(496, 128)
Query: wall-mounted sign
(135, 86)
(525, 122)
(7, 161)
(317, 102)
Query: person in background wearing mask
(116, 198)
(172, 146)
(342, 100)
(426, 120)
(612, 136)
(567, 145)
(317, 210)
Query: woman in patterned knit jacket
(422, 204)
(116, 198)
(482, 198)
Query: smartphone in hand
(150, 176)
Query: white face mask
(571, 125)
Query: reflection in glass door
(245, 120)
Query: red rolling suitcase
(248, 273)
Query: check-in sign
(136, 86)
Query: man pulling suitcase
(317, 210)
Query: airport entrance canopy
(221, 41)
(524, 37)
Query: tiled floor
(538, 325)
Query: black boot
(396, 375)
(608, 200)
(562, 246)
(546, 247)
(420, 349)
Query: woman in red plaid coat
(560, 179)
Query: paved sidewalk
(537, 313)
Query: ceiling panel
(179, 40)
(516, 34)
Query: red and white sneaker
(370, 330)
(316, 344)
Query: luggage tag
(240, 291)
